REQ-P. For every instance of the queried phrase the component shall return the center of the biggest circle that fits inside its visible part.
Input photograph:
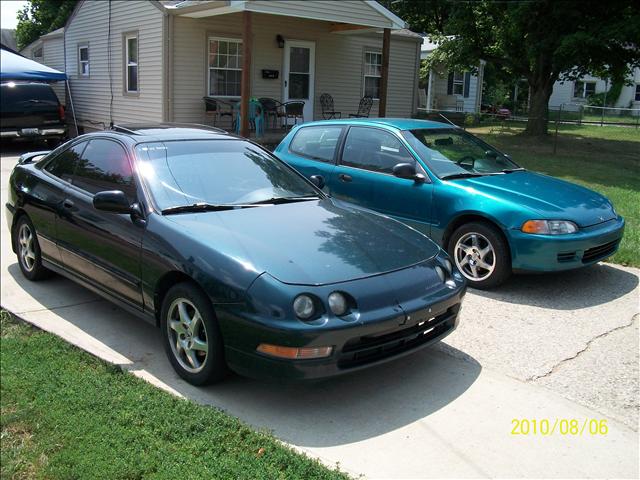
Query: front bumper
(359, 345)
(544, 253)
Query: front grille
(371, 348)
(566, 257)
(599, 252)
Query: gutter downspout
(429, 104)
(479, 86)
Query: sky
(8, 12)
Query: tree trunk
(539, 109)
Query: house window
(372, 74)
(37, 53)
(83, 60)
(584, 89)
(458, 83)
(637, 97)
(225, 67)
(131, 56)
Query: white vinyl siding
(92, 95)
(339, 65)
(53, 51)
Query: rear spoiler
(29, 157)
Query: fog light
(440, 272)
(338, 303)
(294, 353)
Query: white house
(153, 61)
(447, 90)
(49, 50)
(572, 94)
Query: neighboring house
(446, 90)
(166, 56)
(49, 50)
(573, 94)
(8, 38)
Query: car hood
(549, 197)
(309, 243)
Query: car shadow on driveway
(570, 290)
(337, 411)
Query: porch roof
(347, 17)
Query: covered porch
(259, 67)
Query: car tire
(481, 254)
(28, 250)
(191, 335)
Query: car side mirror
(408, 171)
(491, 154)
(114, 201)
(317, 180)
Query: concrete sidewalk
(520, 352)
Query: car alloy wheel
(475, 257)
(26, 247)
(187, 334)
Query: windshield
(188, 172)
(449, 151)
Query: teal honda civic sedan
(492, 216)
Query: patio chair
(256, 118)
(293, 109)
(328, 111)
(364, 107)
(217, 108)
(272, 109)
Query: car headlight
(441, 274)
(303, 307)
(549, 227)
(338, 303)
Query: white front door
(299, 74)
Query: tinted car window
(318, 143)
(65, 164)
(18, 97)
(215, 171)
(374, 149)
(104, 166)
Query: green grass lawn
(605, 159)
(68, 415)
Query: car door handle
(67, 203)
(344, 177)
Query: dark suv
(31, 111)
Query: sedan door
(364, 175)
(100, 247)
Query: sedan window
(104, 166)
(217, 174)
(374, 149)
(63, 165)
(453, 152)
(317, 143)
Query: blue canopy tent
(15, 67)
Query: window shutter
(450, 84)
(467, 81)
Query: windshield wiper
(461, 175)
(511, 170)
(204, 207)
(280, 200)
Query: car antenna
(447, 120)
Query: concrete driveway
(543, 347)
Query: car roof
(398, 123)
(146, 132)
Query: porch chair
(328, 111)
(364, 107)
(272, 109)
(256, 118)
(216, 108)
(293, 109)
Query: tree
(39, 17)
(540, 40)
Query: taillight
(61, 112)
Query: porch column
(384, 77)
(246, 73)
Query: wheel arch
(468, 218)
(164, 283)
(18, 214)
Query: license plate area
(29, 131)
